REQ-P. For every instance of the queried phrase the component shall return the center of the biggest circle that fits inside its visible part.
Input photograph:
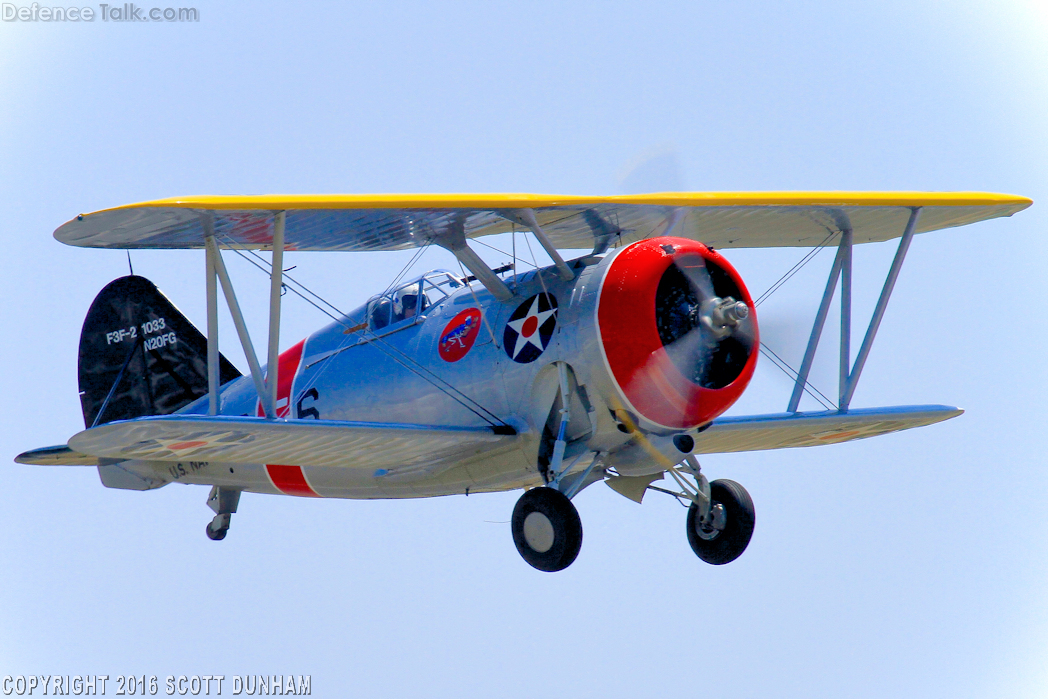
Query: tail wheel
(218, 527)
(546, 529)
(216, 534)
(722, 544)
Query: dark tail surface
(139, 355)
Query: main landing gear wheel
(546, 529)
(726, 533)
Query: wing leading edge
(298, 442)
(394, 222)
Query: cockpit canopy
(411, 299)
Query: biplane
(616, 365)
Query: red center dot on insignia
(529, 327)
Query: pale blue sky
(912, 565)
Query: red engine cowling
(677, 330)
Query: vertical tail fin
(139, 355)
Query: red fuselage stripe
(287, 369)
(289, 480)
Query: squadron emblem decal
(459, 335)
(530, 328)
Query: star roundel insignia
(530, 328)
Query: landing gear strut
(546, 529)
(223, 501)
(721, 516)
(545, 525)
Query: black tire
(729, 543)
(216, 535)
(556, 528)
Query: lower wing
(255, 440)
(786, 430)
(384, 445)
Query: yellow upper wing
(397, 221)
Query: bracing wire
(483, 316)
(407, 267)
(542, 282)
(792, 374)
(767, 351)
(301, 290)
(404, 360)
(407, 362)
(793, 270)
(290, 284)
(502, 252)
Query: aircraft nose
(678, 330)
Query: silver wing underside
(295, 442)
(787, 430)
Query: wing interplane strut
(265, 386)
(218, 268)
(842, 269)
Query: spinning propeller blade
(707, 333)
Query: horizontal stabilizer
(224, 439)
(786, 430)
(56, 456)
